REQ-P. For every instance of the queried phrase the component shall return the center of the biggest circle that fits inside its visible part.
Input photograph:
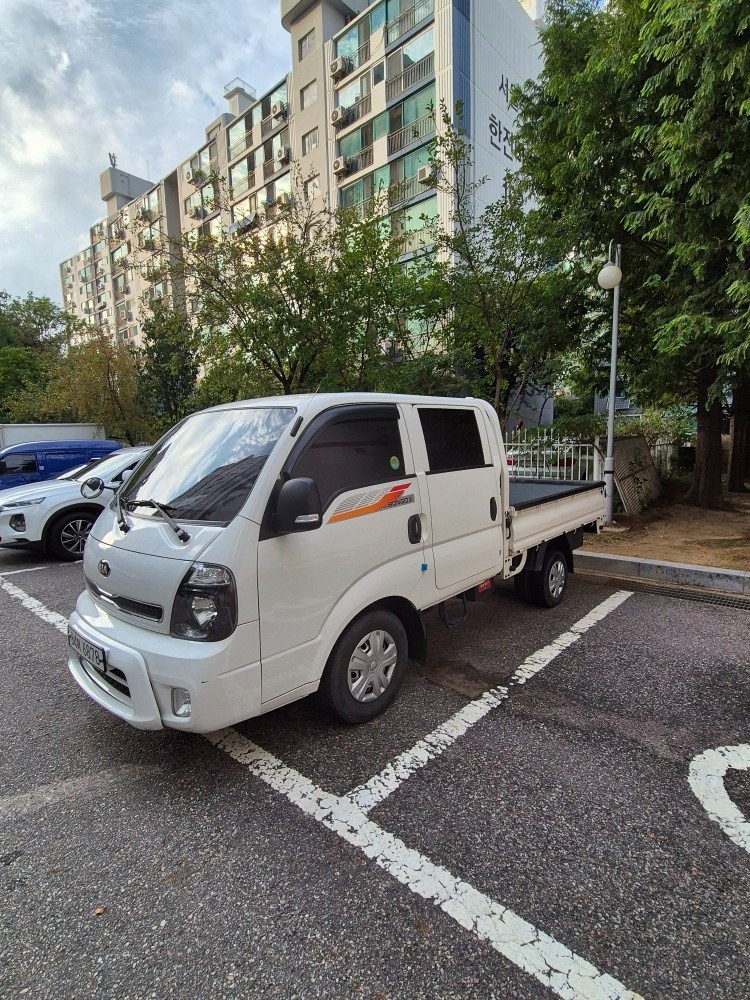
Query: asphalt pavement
(550, 808)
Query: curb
(727, 581)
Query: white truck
(267, 549)
(25, 433)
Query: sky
(80, 79)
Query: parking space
(536, 833)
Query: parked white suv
(53, 516)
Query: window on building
(452, 438)
(309, 141)
(308, 95)
(306, 44)
(312, 188)
(355, 91)
(353, 452)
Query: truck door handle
(493, 508)
(414, 528)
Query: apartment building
(350, 126)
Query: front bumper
(143, 667)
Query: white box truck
(24, 433)
(268, 549)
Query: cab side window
(11, 465)
(351, 453)
(452, 438)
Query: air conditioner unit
(278, 109)
(425, 175)
(283, 200)
(340, 165)
(283, 155)
(338, 117)
(189, 176)
(339, 67)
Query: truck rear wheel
(367, 667)
(546, 586)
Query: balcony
(406, 21)
(360, 57)
(410, 76)
(243, 184)
(410, 133)
(359, 162)
(357, 110)
(405, 190)
(243, 143)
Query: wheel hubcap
(371, 665)
(73, 536)
(557, 578)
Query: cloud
(80, 80)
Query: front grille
(153, 612)
(112, 680)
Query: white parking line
(706, 777)
(532, 950)
(30, 569)
(380, 786)
(35, 606)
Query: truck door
(369, 545)
(463, 490)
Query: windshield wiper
(123, 524)
(164, 511)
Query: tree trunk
(706, 487)
(739, 450)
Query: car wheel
(547, 585)
(367, 667)
(67, 535)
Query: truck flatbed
(526, 493)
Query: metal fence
(548, 456)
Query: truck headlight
(205, 607)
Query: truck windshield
(205, 468)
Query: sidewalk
(725, 581)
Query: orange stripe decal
(394, 494)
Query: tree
(509, 303)
(697, 194)
(93, 380)
(605, 136)
(319, 300)
(169, 364)
(30, 322)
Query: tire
(367, 667)
(547, 585)
(67, 535)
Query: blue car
(35, 461)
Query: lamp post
(610, 276)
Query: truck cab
(268, 549)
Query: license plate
(87, 650)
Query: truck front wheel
(367, 667)
(547, 585)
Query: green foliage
(509, 305)
(170, 366)
(319, 301)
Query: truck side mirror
(298, 507)
(92, 488)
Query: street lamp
(610, 276)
